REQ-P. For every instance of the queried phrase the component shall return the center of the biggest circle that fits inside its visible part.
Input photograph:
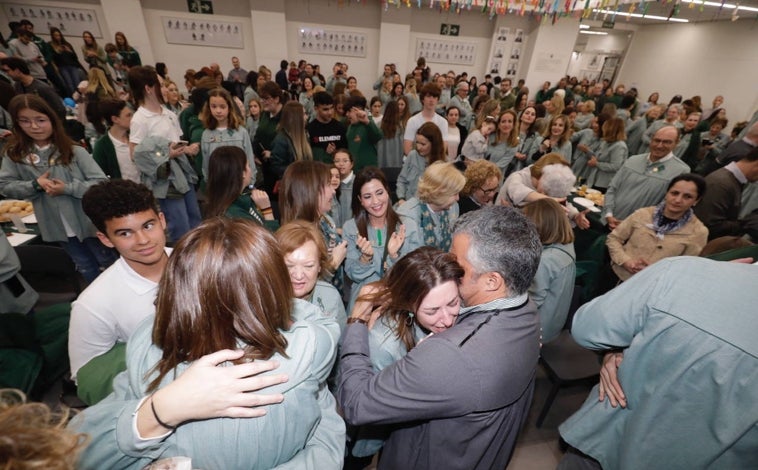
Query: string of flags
(544, 10)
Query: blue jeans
(90, 256)
(182, 215)
(71, 77)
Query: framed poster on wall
(331, 42)
(446, 52)
(71, 21)
(202, 32)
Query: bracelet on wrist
(157, 419)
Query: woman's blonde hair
(96, 77)
(439, 182)
(292, 123)
(550, 219)
(33, 437)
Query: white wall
(179, 57)
(76, 41)
(362, 68)
(705, 59)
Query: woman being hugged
(224, 198)
(435, 206)
(308, 263)
(418, 298)
(376, 236)
(223, 126)
(225, 296)
(430, 148)
(42, 164)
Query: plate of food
(10, 207)
(586, 203)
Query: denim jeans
(182, 215)
(71, 77)
(90, 256)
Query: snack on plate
(19, 208)
(598, 198)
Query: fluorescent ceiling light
(584, 26)
(728, 6)
(639, 15)
(599, 33)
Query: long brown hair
(233, 120)
(225, 286)
(300, 194)
(292, 124)
(226, 165)
(566, 129)
(407, 283)
(512, 138)
(20, 144)
(359, 213)
(391, 120)
(432, 133)
(406, 114)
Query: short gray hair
(557, 180)
(504, 241)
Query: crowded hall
(316, 234)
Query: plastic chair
(51, 272)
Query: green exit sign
(200, 6)
(450, 29)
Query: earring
(409, 319)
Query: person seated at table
(553, 285)
(533, 183)
(482, 181)
(227, 164)
(225, 296)
(435, 207)
(652, 233)
(106, 314)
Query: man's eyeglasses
(662, 142)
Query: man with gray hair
(461, 396)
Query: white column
(551, 52)
(126, 16)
